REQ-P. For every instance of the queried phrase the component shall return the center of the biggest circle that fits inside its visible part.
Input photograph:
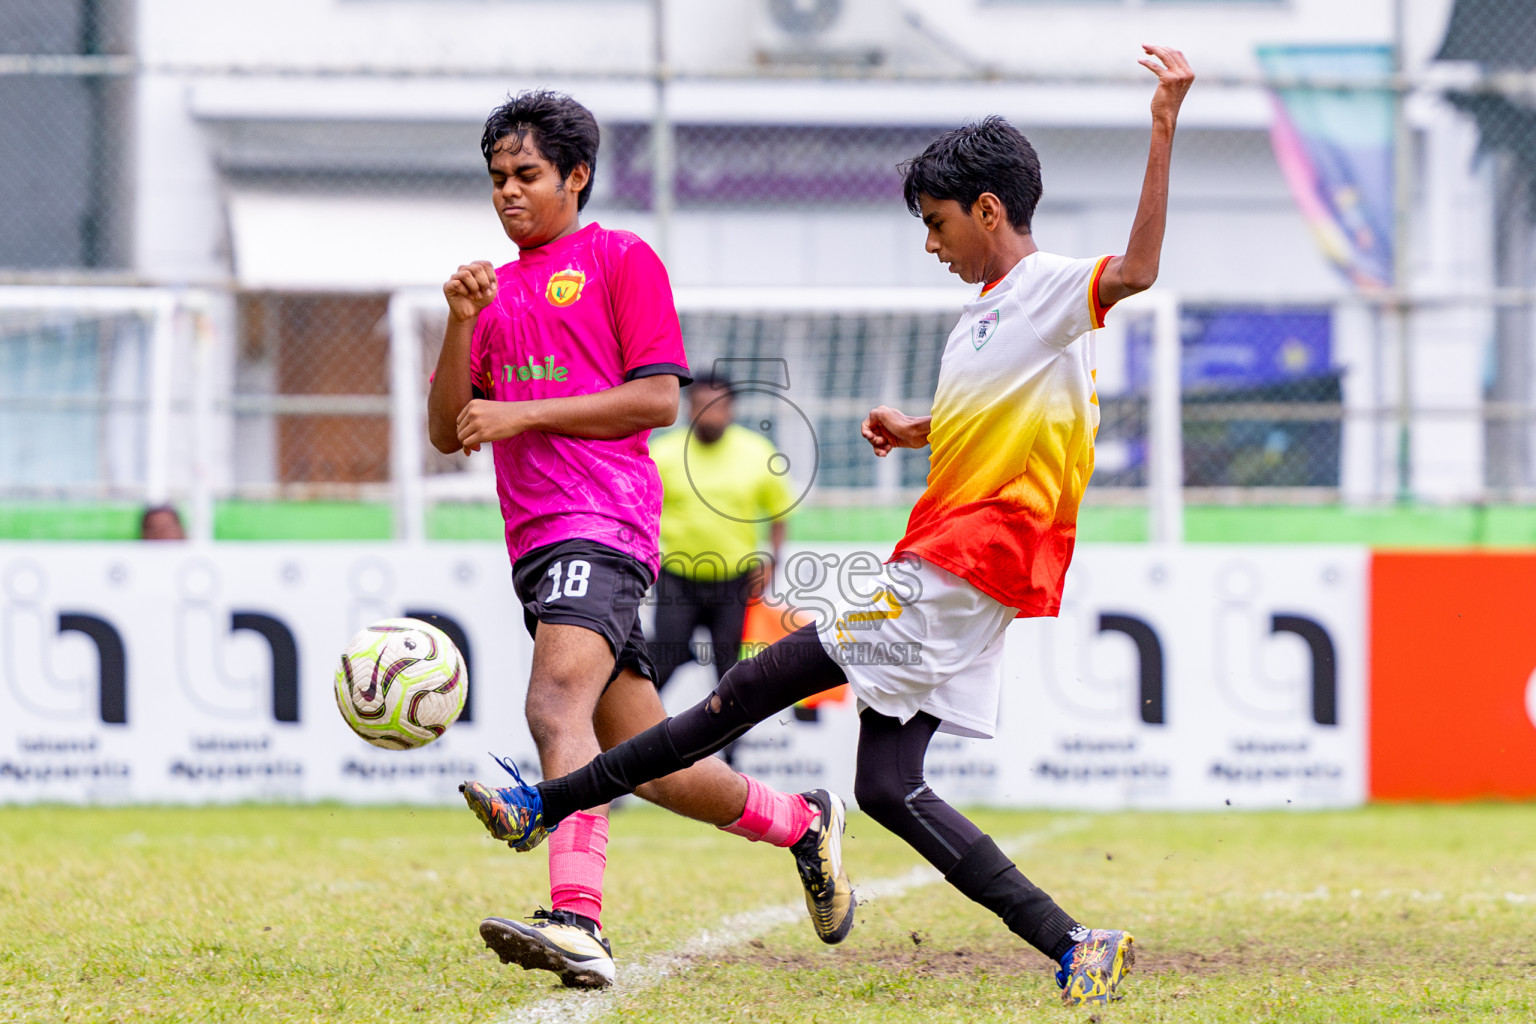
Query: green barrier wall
(1496, 526)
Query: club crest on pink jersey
(565, 287)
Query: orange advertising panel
(1453, 652)
(766, 624)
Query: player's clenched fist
(470, 289)
(886, 428)
(482, 420)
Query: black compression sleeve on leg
(645, 756)
(790, 670)
(891, 789)
(986, 875)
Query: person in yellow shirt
(721, 483)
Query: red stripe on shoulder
(1097, 309)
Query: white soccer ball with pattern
(401, 683)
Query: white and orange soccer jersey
(1014, 418)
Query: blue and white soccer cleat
(513, 814)
(1092, 969)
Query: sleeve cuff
(657, 369)
(1096, 309)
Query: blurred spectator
(161, 522)
(720, 487)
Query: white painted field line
(581, 1007)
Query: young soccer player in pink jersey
(563, 361)
(1011, 434)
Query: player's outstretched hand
(482, 420)
(1174, 77)
(470, 289)
(886, 428)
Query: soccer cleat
(513, 813)
(1092, 969)
(819, 858)
(558, 941)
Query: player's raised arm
(468, 291)
(1137, 269)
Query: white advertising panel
(176, 673)
(1200, 676)
(1181, 677)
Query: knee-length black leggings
(889, 784)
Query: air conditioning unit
(826, 31)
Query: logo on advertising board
(1277, 668)
(1103, 670)
(1211, 677)
(207, 630)
(57, 702)
(239, 670)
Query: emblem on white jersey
(983, 329)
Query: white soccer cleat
(557, 941)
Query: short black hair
(564, 131)
(158, 510)
(714, 380)
(989, 155)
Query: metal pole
(1402, 198)
(663, 153)
(157, 433)
(201, 496)
(1165, 430)
(405, 421)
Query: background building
(290, 174)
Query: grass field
(344, 914)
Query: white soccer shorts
(923, 640)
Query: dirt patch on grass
(926, 960)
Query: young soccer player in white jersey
(1011, 433)
(563, 361)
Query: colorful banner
(1335, 149)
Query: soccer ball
(401, 683)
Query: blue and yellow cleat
(1092, 969)
(514, 814)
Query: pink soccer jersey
(575, 316)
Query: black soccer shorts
(583, 583)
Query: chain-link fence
(67, 137)
(1350, 250)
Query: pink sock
(771, 816)
(578, 853)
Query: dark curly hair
(989, 155)
(564, 132)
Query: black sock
(790, 670)
(647, 755)
(986, 875)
